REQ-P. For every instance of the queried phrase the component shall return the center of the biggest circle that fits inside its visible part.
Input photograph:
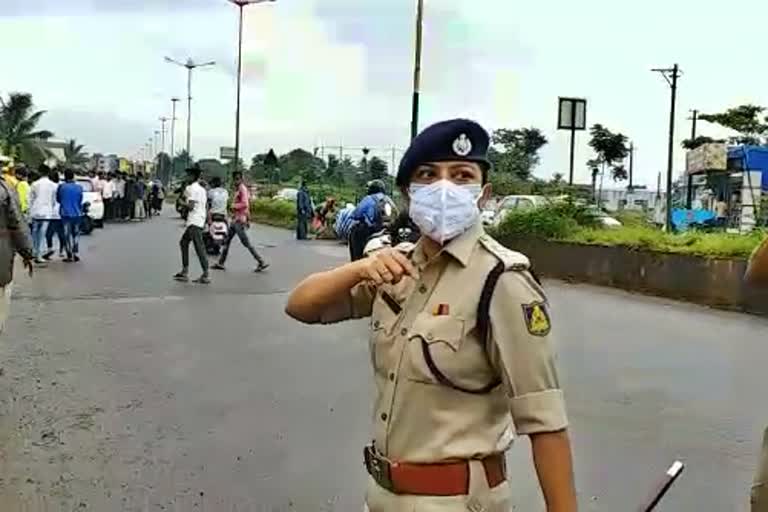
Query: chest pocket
(439, 353)
(384, 316)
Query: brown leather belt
(439, 479)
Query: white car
(95, 215)
(510, 203)
(287, 194)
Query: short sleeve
(358, 304)
(522, 352)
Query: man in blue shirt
(368, 219)
(70, 198)
(304, 211)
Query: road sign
(572, 114)
(227, 153)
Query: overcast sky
(339, 71)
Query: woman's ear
(485, 195)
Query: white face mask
(444, 210)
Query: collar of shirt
(460, 248)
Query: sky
(339, 72)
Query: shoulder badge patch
(537, 318)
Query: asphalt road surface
(122, 390)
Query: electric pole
(670, 75)
(163, 120)
(631, 166)
(174, 101)
(417, 70)
(689, 185)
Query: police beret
(456, 139)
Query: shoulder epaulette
(512, 260)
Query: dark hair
(21, 172)
(54, 175)
(69, 174)
(216, 182)
(194, 172)
(376, 187)
(237, 175)
(44, 170)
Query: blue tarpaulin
(750, 158)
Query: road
(122, 390)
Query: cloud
(9, 8)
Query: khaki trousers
(760, 487)
(480, 498)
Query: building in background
(108, 163)
(638, 199)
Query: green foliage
(711, 245)
(180, 163)
(274, 212)
(212, 168)
(516, 152)
(163, 167)
(74, 156)
(378, 169)
(699, 141)
(19, 137)
(300, 162)
(554, 221)
(744, 119)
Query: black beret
(456, 139)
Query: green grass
(274, 212)
(710, 245)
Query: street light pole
(161, 160)
(173, 135)
(417, 70)
(240, 4)
(670, 75)
(689, 188)
(190, 65)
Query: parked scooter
(216, 235)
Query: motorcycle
(216, 235)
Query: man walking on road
(70, 198)
(241, 211)
(757, 275)
(42, 198)
(197, 203)
(107, 193)
(14, 239)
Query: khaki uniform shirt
(417, 419)
(760, 487)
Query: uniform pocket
(442, 337)
(383, 321)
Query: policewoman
(460, 344)
(757, 275)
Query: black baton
(663, 486)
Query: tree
(517, 151)
(212, 168)
(611, 149)
(300, 162)
(743, 119)
(19, 137)
(180, 163)
(73, 155)
(163, 166)
(378, 169)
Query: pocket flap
(439, 329)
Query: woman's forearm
(310, 299)
(554, 466)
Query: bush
(554, 221)
(711, 245)
(274, 212)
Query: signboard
(124, 165)
(227, 153)
(706, 158)
(572, 114)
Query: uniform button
(391, 376)
(430, 336)
(423, 288)
(376, 324)
(384, 416)
(403, 331)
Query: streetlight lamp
(174, 101)
(240, 4)
(190, 65)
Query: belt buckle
(379, 469)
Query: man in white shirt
(42, 200)
(218, 197)
(197, 202)
(121, 208)
(107, 193)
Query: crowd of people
(51, 201)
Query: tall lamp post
(670, 75)
(417, 69)
(174, 101)
(240, 4)
(190, 65)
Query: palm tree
(73, 154)
(19, 138)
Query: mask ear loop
(444, 192)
